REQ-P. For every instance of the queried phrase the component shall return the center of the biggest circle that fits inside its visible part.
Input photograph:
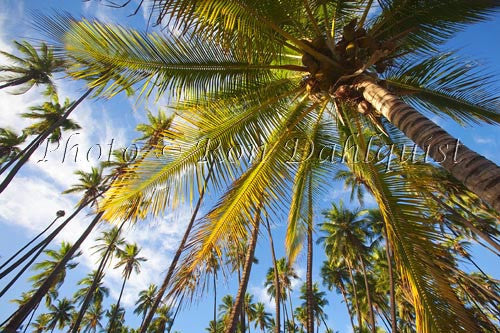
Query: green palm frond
(447, 84)
(154, 62)
(428, 23)
(252, 193)
(211, 128)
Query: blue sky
(34, 196)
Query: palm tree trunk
(31, 318)
(215, 297)
(46, 133)
(176, 258)
(24, 310)
(356, 301)
(43, 243)
(240, 296)
(292, 315)
(117, 307)
(476, 172)
(277, 298)
(392, 299)
(90, 293)
(368, 296)
(309, 283)
(344, 296)
(29, 243)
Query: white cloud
(481, 140)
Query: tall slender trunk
(240, 296)
(99, 274)
(215, 297)
(291, 307)
(277, 298)
(344, 296)
(30, 242)
(46, 133)
(175, 260)
(24, 310)
(31, 318)
(356, 301)
(368, 296)
(117, 307)
(392, 299)
(476, 172)
(309, 283)
(43, 243)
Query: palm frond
(447, 84)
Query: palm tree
(249, 309)
(9, 144)
(275, 279)
(213, 266)
(52, 120)
(225, 307)
(163, 320)
(145, 301)
(99, 293)
(334, 275)
(47, 266)
(111, 241)
(318, 303)
(155, 131)
(92, 319)
(119, 314)
(130, 260)
(41, 323)
(31, 68)
(60, 314)
(262, 318)
(345, 233)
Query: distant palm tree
(52, 119)
(249, 309)
(55, 258)
(9, 144)
(344, 235)
(31, 68)
(225, 307)
(41, 323)
(145, 301)
(262, 318)
(154, 132)
(119, 314)
(163, 320)
(92, 319)
(130, 260)
(60, 314)
(111, 240)
(98, 294)
(318, 303)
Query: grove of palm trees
(233, 166)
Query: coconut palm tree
(262, 318)
(225, 307)
(336, 276)
(119, 314)
(344, 235)
(214, 267)
(48, 265)
(319, 302)
(145, 301)
(41, 323)
(130, 261)
(154, 132)
(92, 320)
(163, 320)
(32, 67)
(111, 241)
(52, 120)
(275, 279)
(60, 314)
(98, 295)
(9, 144)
